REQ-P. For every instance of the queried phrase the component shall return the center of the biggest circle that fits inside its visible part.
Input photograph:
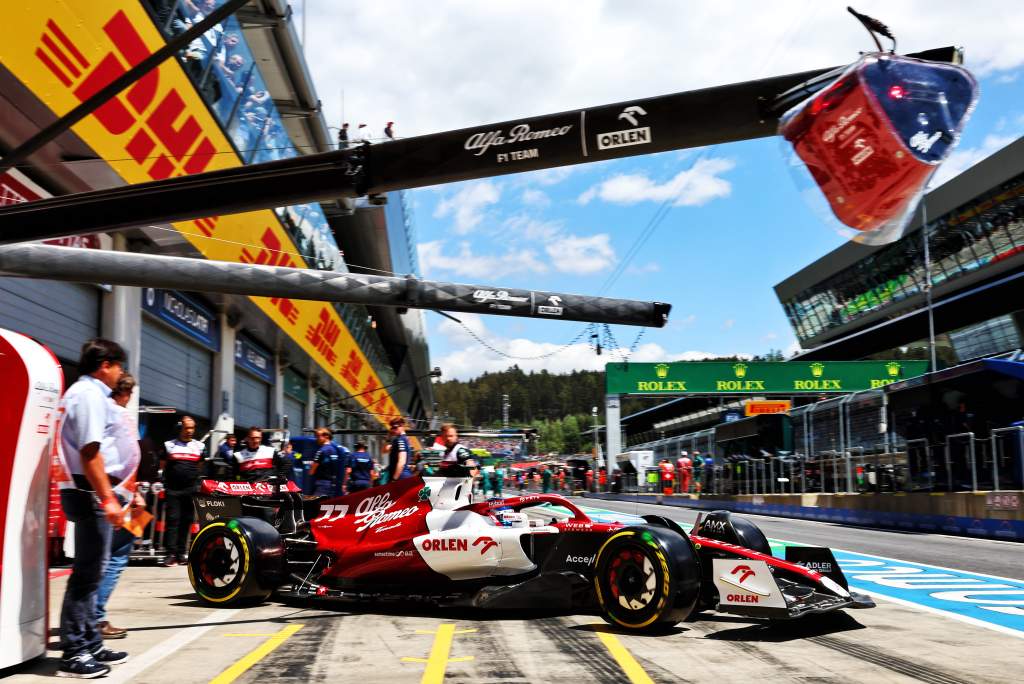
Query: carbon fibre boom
(738, 111)
(148, 270)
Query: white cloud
(524, 227)
(469, 205)
(435, 258)
(964, 158)
(693, 187)
(581, 255)
(768, 337)
(470, 359)
(379, 61)
(728, 324)
(535, 198)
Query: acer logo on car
(445, 545)
(583, 560)
(738, 598)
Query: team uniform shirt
(120, 449)
(457, 461)
(330, 462)
(88, 418)
(362, 469)
(253, 465)
(183, 463)
(399, 444)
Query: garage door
(60, 315)
(252, 400)
(296, 411)
(174, 371)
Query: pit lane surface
(174, 639)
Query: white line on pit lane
(129, 671)
(873, 593)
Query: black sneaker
(82, 666)
(109, 656)
(170, 561)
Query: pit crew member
(258, 461)
(359, 473)
(183, 457)
(329, 466)
(457, 460)
(399, 454)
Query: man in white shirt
(121, 455)
(88, 501)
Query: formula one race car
(423, 538)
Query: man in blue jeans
(124, 443)
(88, 501)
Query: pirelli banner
(65, 51)
(757, 377)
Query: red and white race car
(425, 538)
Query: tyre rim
(219, 562)
(633, 580)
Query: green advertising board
(756, 377)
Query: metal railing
(998, 438)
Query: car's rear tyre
(235, 562)
(646, 579)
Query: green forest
(558, 405)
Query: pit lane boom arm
(739, 111)
(179, 273)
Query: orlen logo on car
(744, 573)
(445, 544)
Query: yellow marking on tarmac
(439, 658)
(626, 661)
(257, 654)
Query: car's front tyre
(646, 579)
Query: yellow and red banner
(761, 408)
(66, 50)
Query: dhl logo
(189, 150)
(159, 128)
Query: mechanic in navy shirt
(399, 466)
(329, 464)
(359, 473)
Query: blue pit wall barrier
(989, 515)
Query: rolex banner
(757, 377)
(159, 128)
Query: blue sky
(737, 225)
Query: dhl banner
(66, 50)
